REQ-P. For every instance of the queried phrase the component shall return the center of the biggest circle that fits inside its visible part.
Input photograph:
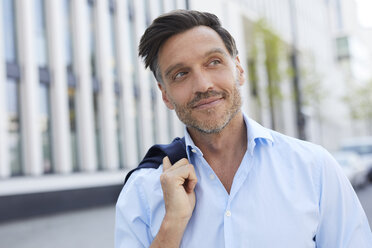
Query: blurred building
(77, 107)
(354, 56)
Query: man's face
(200, 79)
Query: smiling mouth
(207, 103)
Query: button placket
(228, 225)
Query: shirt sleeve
(343, 222)
(131, 224)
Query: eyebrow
(216, 50)
(179, 65)
(172, 68)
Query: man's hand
(178, 184)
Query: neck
(231, 138)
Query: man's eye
(215, 62)
(179, 75)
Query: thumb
(190, 186)
(166, 163)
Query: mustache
(204, 95)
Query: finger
(178, 164)
(191, 179)
(166, 163)
(181, 162)
(186, 175)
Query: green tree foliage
(273, 48)
(359, 100)
(313, 89)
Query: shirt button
(193, 150)
(228, 213)
(211, 176)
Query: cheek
(181, 94)
(182, 98)
(225, 81)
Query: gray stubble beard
(184, 114)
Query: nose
(201, 82)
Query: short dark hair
(175, 22)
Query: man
(242, 185)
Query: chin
(210, 130)
(210, 125)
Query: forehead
(189, 45)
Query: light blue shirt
(285, 193)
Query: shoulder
(283, 141)
(297, 148)
(142, 182)
(134, 208)
(140, 194)
(306, 155)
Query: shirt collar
(255, 134)
(190, 146)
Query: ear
(240, 71)
(165, 97)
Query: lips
(207, 103)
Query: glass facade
(134, 72)
(154, 109)
(96, 96)
(12, 88)
(45, 125)
(44, 90)
(40, 29)
(119, 130)
(113, 54)
(73, 129)
(92, 39)
(14, 127)
(97, 130)
(153, 87)
(68, 34)
(71, 86)
(9, 29)
(117, 90)
(147, 12)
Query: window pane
(147, 12)
(9, 30)
(343, 50)
(40, 29)
(119, 130)
(134, 72)
(92, 40)
(113, 47)
(14, 128)
(68, 34)
(153, 113)
(97, 122)
(46, 133)
(74, 140)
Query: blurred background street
(91, 228)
